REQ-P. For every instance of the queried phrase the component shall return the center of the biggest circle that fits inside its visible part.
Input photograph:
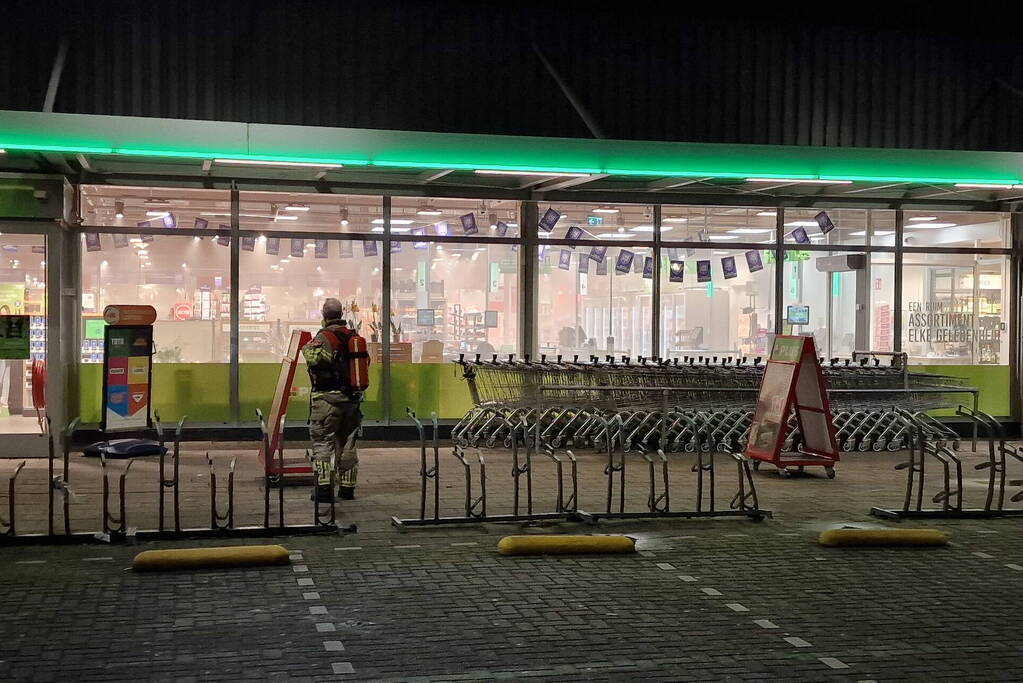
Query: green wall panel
(428, 387)
(256, 383)
(198, 390)
(992, 380)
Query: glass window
(320, 212)
(186, 279)
(586, 222)
(716, 302)
(826, 295)
(595, 300)
(882, 299)
(471, 218)
(22, 292)
(282, 288)
(955, 309)
(717, 224)
(956, 229)
(851, 226)
(156, 208)
(450, 299)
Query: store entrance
(23, 334)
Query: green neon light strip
(524, 169)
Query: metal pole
(779, 268)
(570, 95)
(528, 278)
(1012, 293)
(55, 74)
(385, 313)
(655, 296)
(897, 294)
(233, 370)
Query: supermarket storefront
(443, 245)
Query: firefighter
(334, 414)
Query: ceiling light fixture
(722, 238)
(931, 226)
(807, 181)
(545, 174)
(296, 207)
(344, 215)
(923, 218)
(282, 217)
(675, 220)
(288, 164)
(605, 209)
(767, 213)
(157, 214)
(118, 209)
(394, 221)
(750, 231)
(983, 186)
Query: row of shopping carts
(692, 404)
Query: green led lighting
(704, 174)
(483, 167)
(187, 154)
(75, 149)
(906, 179)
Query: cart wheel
(756, 465)
(830, 471)
(273, 480)
(802, 468)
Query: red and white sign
(182, 310)
(793, 380)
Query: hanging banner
(793, 381)
(127, 377)
(248, 244)
(800, 236)
(728, 267)
(395, 247)
(676, 271)
(369, 248)
(648, 268)
(297, 247)
(320, 249)
(582, 264)
(345, 249)
(703, 271)
(565, 259)
(441, 228)
(754, 261)
(169, 221)
(602, 267)
(469, 226)
(824, 221)
(548, 220)
(573, 233)
(200, 223)
(224, 240)
(502, 229)
(273, 245)
(624, 262)
(598, 253)
(92, 242)
(120, 240)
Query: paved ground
(703, 600)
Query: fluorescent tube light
(807, 181)
(750, 231)
(547, 174)
(290, 164)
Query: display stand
(277, 468)
(793, 380)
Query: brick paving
(702, 600)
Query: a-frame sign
(793, 381)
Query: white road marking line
(765, 623)
(686, 577)
(711, 591)
(95, 559)
(343, 668)
(304, 582)
(984, 555)
(317, 609)
(736, 535)
(737, 607)
(325, 628)
(30, 562)
(986, 531)
(646, 553)
(466, 544)
(1015, 566)
(789, 535)
(834, 663)
(300, 569)
(333, 646)
(350, 547)
(796, 642)
(311, 596)
(405, 547)
(665, 566)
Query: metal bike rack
(951, 494)
(11, 528)
(174, 482)
(114, 527)
(221, 521)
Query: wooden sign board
(793, 380)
